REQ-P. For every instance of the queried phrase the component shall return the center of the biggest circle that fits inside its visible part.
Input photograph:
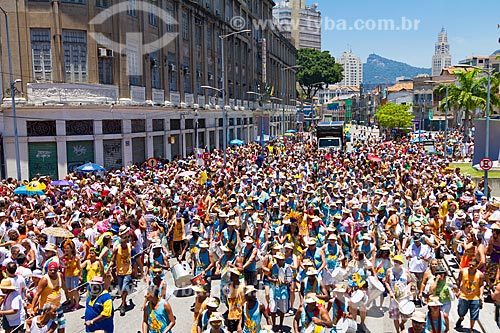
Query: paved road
(377, 321)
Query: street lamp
(488, 71)
(445, 150)
(223, 90)
(283, 70)
(261, 116)
(12, 94)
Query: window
(132, 8)
(170, 18)
(75, 55)
(188, 124)
(138, 125)
(153, 14)
(134, 69)
(158, 125)
(112, 126)
(102, 3)
(41, 54)
(185, 25)
(80, 2)
(155, 70)
(187, 76)
(175, 124)
(105, 69)
(172, 72)
(41, 128)
(79, 127)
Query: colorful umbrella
(23, 190)
(62, 182)
(58, 232)
(237, 142)
(374, 158)
(35, 186)
(186, 174)
(90, 167)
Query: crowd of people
(326, 235)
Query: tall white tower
(353, 69)
(442, 57)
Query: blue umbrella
(22, 190)
(237, 142)
(291, 131)
(61, 182)
(90, 167)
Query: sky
(472, 28)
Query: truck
(330, 135)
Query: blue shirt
(94, 308)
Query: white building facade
(442, 57)
(353, 69)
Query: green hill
(380, 70)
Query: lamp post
(223, 89)
(12, 94)
(196, 129)
(283, 70)
(261, 96)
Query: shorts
(60, 320)
(250, 277)
(6, 325)
(232, 325)
(471, 306)
(72, 282)
(446, 307)
(124, 282)
(279, 305)
(178, 246)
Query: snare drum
(375, 288)
(406, 307)
(359, 298)
(346, 325)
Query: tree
(394, 116)
(469, 93)
(316, 68)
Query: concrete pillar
(127, 150)
(99, 149)
(62, 157)
(149, 139)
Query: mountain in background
(380, 70)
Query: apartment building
(118, 82)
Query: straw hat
(249, 289)
(311, 298)
(6, 284)
(51, 247)
(279, 256)
(419, 317)
(124, 230)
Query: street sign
(152, 162)
(486, 163)
(206, 156)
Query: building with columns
(116, 83)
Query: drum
(313, 328)
(406, 307)
(359, 298)
(225, 275)
(181, 275)
(346, 325)
(216, 251)
(375, 288)
(338, 274)
(258, 260)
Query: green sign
(431, 114)
(79, 152)
(43, 159)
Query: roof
(452, 69)
(401, 86)
(348, 88)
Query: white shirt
(14, 301)
(416, 263)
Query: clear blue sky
(471, 26)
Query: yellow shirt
(93, 270)
(235, 300)
(52, 292)
(470, 288)
(70, 267)
(179, 232)
(123, 261)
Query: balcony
(71, 93)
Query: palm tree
(469, 93)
